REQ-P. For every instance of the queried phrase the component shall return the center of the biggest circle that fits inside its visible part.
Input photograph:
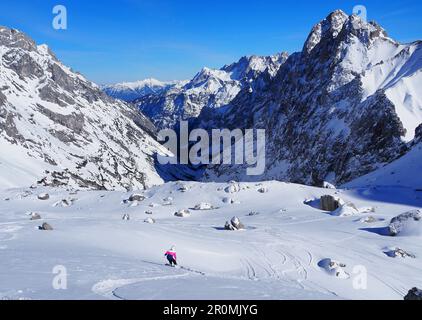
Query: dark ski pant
(171, 260)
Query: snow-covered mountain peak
(16, 38)
(249, 66)
(207, 75)
(340, 24)
(330, 27)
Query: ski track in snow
(278, 257)
(107, 288)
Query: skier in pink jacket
(171, 256)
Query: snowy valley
(289, 248)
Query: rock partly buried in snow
(153, 205)
(263, 190)
(168, 201)
(64, 203)
(399, 253)
(407, 221)
(183, 188)
(148, 212)
(414, 295)
(327, 185)
(136, 197)
(369, 219)
(126, 217)
(234, 224)
(330, 203)
(346, 210)
(233, 187)
(149, 220)
(204, 206)
(182, 213)
(43, 196)
(35, 216)
(228, 200)
(367, 210)
(45, 226)
(334, 268)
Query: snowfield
(289, 248)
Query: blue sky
(112, 41)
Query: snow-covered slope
(344, 106)
(130, 91)
(283, 253)
(403, 172)
(210, 89)
(54, 124)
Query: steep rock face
(209, 89)
(339, 109)
(58, 128)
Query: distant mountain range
(130, 91)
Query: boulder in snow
(228, 200)
(346, 210)
(204, 206)
(45, 226)
(405, 221)
(234, 224)
(153, 205)
(182, 213)
(399, 253)
(367, 210)
(414, 295)
(183, 188)
(369, 219)
(149, 220)
(263, 190)
(327, 185)
(168, 201)
(148, 212)
(136, 197)
(35, 216)
(334, 268)
(64, 203)
(233, 187)
(43, 196)
(126, 217)
(330, 203)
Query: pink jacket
(171, 253)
